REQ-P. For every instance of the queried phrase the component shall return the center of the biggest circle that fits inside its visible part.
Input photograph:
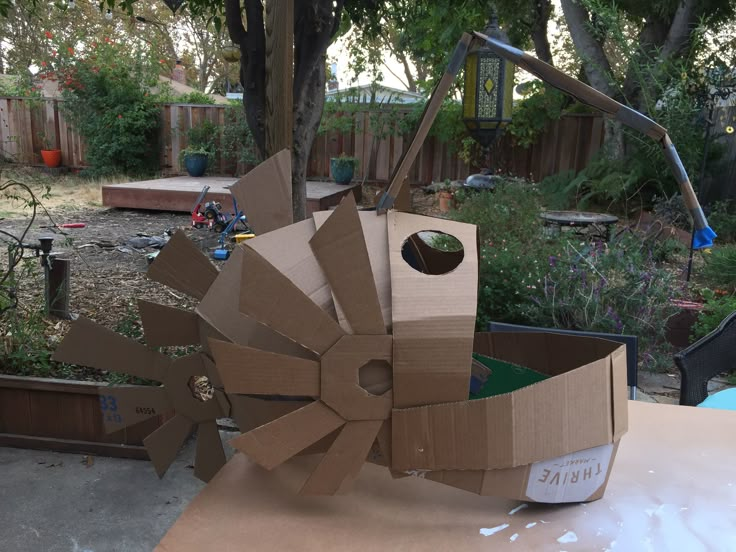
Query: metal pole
(703, 163)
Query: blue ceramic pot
(196, 164)
(342, 172)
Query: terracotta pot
(51, 158)
(445, 201)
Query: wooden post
(279, 74)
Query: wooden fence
(567, 143)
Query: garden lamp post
(488, 91)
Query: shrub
(237, 139)
(201, 139)
(722, 218)
(107, 96)
(511, 250)
(720, 268)
(195, 97)
(716, 308)
(614, 288)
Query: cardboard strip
(343, 460)
(89, 344)
(182, 266)
(340, 249)
(164, 326)
(221, 311)
(288, 250)
(246, 370)
(433, 332)
(273, 299)
(264, 194)
(277, 441)
(163, 444)
(122, 406)
(210, 455)
(566, 413)
(375, 233)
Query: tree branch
(596, 64)
(678, 37)
(234, 21)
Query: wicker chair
(706, 358)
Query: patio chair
(631, 342)
(703, 360)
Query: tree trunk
(542, 11)
(308, 108)
(596, 64)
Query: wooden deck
(180, 192)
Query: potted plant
(201, 148)
(343, 168)
(51, 156)
(446, 196)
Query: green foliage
(201, 140)
(716, 308)
(720, 268)
(195, 97)
(237, 140)
(510, 253)
(619, 287)
(107, 96)
(722, 218)
(614, 288)
(532, 114)
(604, 183)
(24, 349)
(344, 161)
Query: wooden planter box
(63, 415)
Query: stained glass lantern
(488, 91)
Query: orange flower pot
(445, 201)
(51, 158)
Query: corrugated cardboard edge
(182, 266)
(375, 232)
(272, 298)
(433, 332)
(264, 194)
(164, 325)
(288, 250)
(514, 483)
(340, 249)
(572, 411)
(252, 412)
(219, 308)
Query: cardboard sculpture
(351, 336)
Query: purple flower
(552, 260)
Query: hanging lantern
(173, 5)
(231, 53)
(488, 90)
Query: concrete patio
(55, 502)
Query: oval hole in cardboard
(432, 252)
(201, 388)
(376, 377)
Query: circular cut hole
(376, 377)
(201, 388)
(432, 252)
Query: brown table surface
(673, 487)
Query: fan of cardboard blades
(350, 377)
(181, 266)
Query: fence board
(567, 143)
